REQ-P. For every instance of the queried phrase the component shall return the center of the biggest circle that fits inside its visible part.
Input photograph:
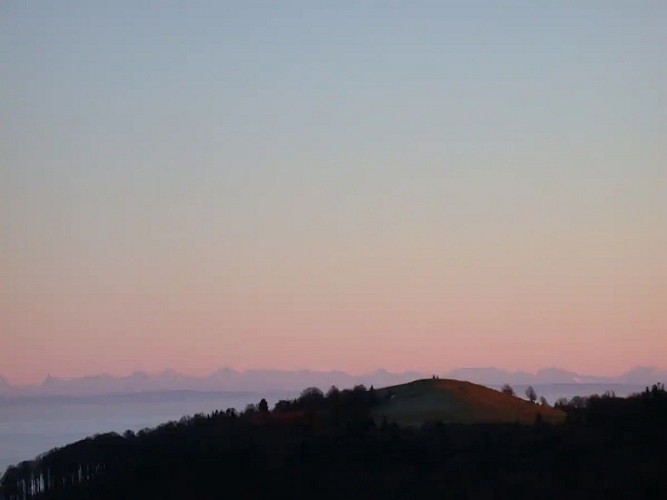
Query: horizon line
(327, 371)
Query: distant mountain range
(227, 379)
(639, 375)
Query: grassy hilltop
(456, 401)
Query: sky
(417, 185)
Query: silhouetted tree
(263, 406)
(507, 389)
(578, 402)
(250, 409)
(543, 401)
(531, 394)
(560, 403)
(311, 393)
(333, 392)
(311, 399)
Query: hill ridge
(457, 401)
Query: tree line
(330, 446)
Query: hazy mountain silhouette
(643, 375)
(495, 376)
(227, 379)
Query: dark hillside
(331, 447)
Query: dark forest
(330, 446)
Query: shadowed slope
(455, 401)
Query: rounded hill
(456, 401)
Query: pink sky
(407, 306)
(342, 187)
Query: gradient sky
(409, 185)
